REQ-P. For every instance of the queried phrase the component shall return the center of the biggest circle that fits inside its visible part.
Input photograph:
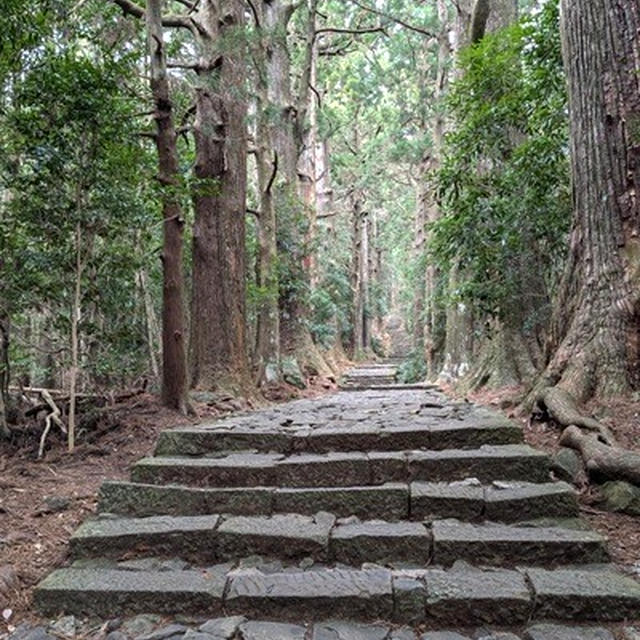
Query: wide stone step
(462, 596)
(422, 501)
(504, 545)
(209, 539)
(504, 462)
(446, 434)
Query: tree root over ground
(604, 459)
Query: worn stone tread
(471, 596)
(104, 591)
(316, 594)
(499, 544)
(141, 499)
(508, 462)
(166, 534)
(488, 463)
(511, 501)
(587, 594)
(372, 541)
(470, 433)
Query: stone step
(422, 501)
(504, 462)
(445, 434)
(462, 596)
(208, 539)
(505, 545)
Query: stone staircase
(394, 506)
(373, 375)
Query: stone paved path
(392, 509)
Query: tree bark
(596, 315)
(4, 370)
(174, 360)
(218, 345)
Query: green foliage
(413, 369)
(504, 182)
(75, 176)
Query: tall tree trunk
(76, 312)
(596, 323)
(218, 315)
(4, 370)
(150, 321)
(174, 359)
(358, 281)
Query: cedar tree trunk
(174, 359)
(218, 316)
(596, 314)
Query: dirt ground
(42, 502)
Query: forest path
(384, 505)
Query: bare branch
(351, 31)
(388, 16)
(133, 9)
(256, 15)
(274, 173)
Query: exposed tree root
(603, 462)
(562, 407)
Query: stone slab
(513, 501)
(557, 632)
(321, 470)
(234, 470)
(156, 535)
(315, 594)
(587, 594)
(470, 596)
(282, 536)
(106, 591)
(389, 501)
(477, 430)
(381, 542)
(409, 599)
(222, 628)
(200, 441)
(431, 500)
(387, 466)
(504, 462)
(506, 545)
(341, 630)
(136, 499)
(256, 630)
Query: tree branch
(388, 16)
(351, 31)
(133, 9)
(274, 173)
(256, 15)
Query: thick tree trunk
(288, 136)
(596, 322)
(174, 358)
(218, 317)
